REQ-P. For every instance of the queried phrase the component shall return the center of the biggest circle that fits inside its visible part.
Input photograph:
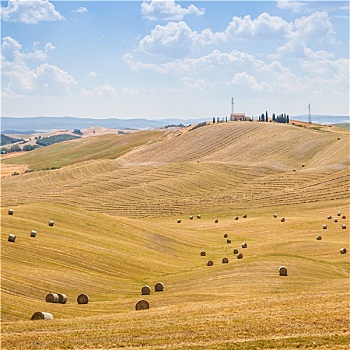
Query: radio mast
(309, 113)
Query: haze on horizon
(173, 59)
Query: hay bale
(275, 216)
(198, 216)
(83, 299)
(335, 219)
(343, 217)
(302, 165)
(179, 221)
(338, 138)
(283, 271)
(283, 219)
(343, 226)
(62, 298)
(159, 287)
(225, 235)
(210, 263)
(329, 217)
(244, 245)
(294, 170)
(145, 290)
(10, 212)
(318, 238)
(240, 256)
(245, 216)
(32, 233)
(142, 305)
(225, 261)
(228, 241)
(324, 227)
(235, 251)
(191, 217)
(342, 250)
(203, 253)
(12, 238)
(51, 223)
(42, 316)
(52, 298)
(236, 217)
(216, 221)
(338, 213)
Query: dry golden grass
(116, 230)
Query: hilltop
(116, 201)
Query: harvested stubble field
(116, 230)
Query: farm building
(239, 117)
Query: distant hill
(11, 125)
(323, 119)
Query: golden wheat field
(116, 202)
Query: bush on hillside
(50, 140)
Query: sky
(174, 59)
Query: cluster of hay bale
(56, 298)
(158, 287)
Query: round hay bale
(335, 219)
(179, 221)
(203, 253)
(329, 217)
(283, 219)
(62, 298)
(225, 261)
(338, 138)
(228, 241)
(240, 256)
(338, 213)
(10, 212)
(142, 305)
(51, 223)
(294, 170)
(343, 217)
(210, 263)
(32, 233)
(318, 238)
(42, 316)
(83, 299)
(52, 298)
(245, 216)
(198, 216)
(275, 215)
(235, 251)
(302, 165)
(244, 245)
(225, 235)
(236, 217)
(159, 287)
(191, 217)
(283, 271)
(12, 238)
(216, 221)
(324, 227)
(342, 250)
(343, 226)
(145, 290)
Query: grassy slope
(108, 146)
(243, 304)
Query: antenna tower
(309, 113)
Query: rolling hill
(115, 205)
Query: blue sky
(173, 59)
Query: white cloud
(264, 26)
(244, 78)
(91, 74)
(80, 10)
(30, 12)
(138, 92)
(294, 6)
(105, 90)
(189, 83)
(167, 10)
(20, 79)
